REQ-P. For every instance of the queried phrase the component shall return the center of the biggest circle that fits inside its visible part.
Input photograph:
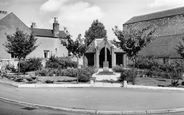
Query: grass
(147, 81)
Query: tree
(97, 30)
(133, 41)
(180, 48)
(20, 44)
(76, 48)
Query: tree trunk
(18, 67)
(77, 69)
(133, 72)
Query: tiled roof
(46, 32)
(11, 21)
(97, 42)
(163, 46)
(156, 15)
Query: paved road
(14, 109)
(110, 99)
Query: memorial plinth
(105, 65)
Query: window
(46, 53)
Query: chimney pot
(33, 25)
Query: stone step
(112, 75)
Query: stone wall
(164, 26)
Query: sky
(78, 15)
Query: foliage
(156, 69)
(60, 63)
(118, 69)
(134, 40)
(11, 68)
(84, 74)
(180, 48)
(146, 63)
(58, 72)
(97, 30)
(49, 81)
(31, 64)
(20, 44)
(77, 47)
(126, 74)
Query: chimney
(56, 27)
(33, 25)
(2, 14)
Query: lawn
(147, 81)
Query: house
(169, 30)
(103, 53)
(47, 39)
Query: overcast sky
(77, 15)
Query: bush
(46, 72)
(118, 69)
(31, 64)
(126, 75)
(84, 74)
(60, 63)
(57, 72)
(11, 68)
(49, 81)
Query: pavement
(106, 99)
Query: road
(108, 99)
(14, 109)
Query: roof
(11, 21)
(163, 46)
(156, 15)
(46, 32)
(98, 42)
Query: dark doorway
(102, 57)
(119, 59)
(90, 59)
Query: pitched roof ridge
(45, 29)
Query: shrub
(46, 72)
(11, 68)
(118, 69)
(84, 75)
(58, 72)
(31, 64)
(60, 63)
(126, 75)
(49, 81)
